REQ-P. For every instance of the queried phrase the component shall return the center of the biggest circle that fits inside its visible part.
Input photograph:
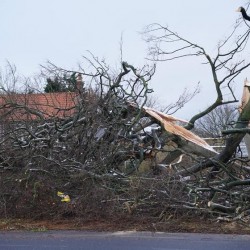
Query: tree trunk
(231, 144)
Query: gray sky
(61, 31)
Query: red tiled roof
(37, 106)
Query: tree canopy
(64, 84)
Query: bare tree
(167, 45)
(225, 66)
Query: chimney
(79, 83)
(246, 83)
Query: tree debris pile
(104, 153)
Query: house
(16, 110)
(39, 106)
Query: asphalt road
(121, 240)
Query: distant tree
(69, 82)
(64, 84)
(53, 85)
(217, 120)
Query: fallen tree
(98, 150)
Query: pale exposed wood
(188, 140)
(244, 100)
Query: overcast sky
(61, 31)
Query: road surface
(121, 241)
